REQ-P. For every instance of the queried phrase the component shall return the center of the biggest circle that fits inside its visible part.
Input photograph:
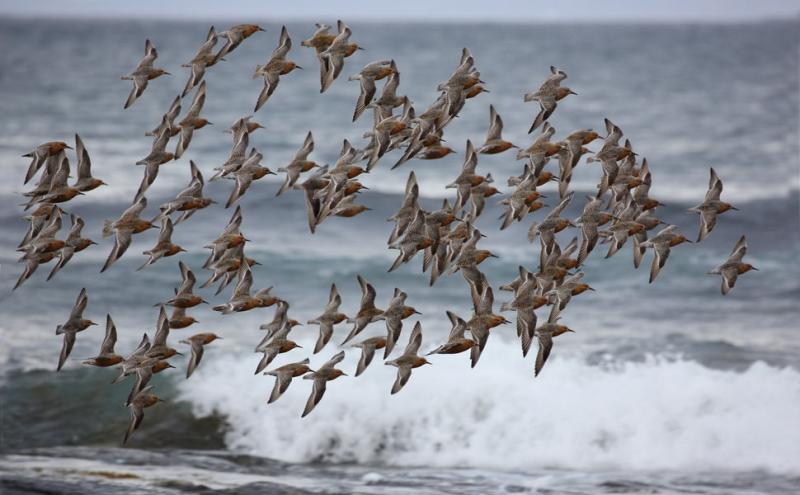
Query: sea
(664, 388)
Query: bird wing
(197, 102)
(545, 346)
(367, 293)
(165, 234)
(84, 162)
(414, 341)
(495, 125)
(162, 332)
(69, 341)
(282, 381)
(197, 355)
(403, 374)
(365, 97)
(660, 259)
(317, 391)
(306, 149)
(110, 339)
(334, 300)
(729, 276)
(708, 219)
(336, 359)
(367, 353)
(242, 288)
(739, 250)
(459, 326)
(714, 187)
(80, 305)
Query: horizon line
(5, 16)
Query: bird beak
(754, 268)
(298, 67)
(167, 73)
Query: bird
(482, 321)
(374, 71)
(548, 94)
(367, 312)
(198, 342)
(456, 341)
(143, 399)
(241, 300)
(204, 58)
(159, 349)
(299, 164)
(409, 359)
(527, 299)
(184, 295)
(283, 377)
(467, 178)
(74, 243)
(128, 224)
(545, 334)
(143, 73)
(321, 377)
(661, 243)
(272, 345)
(733, 266)
(85, 182)
(164, 246)
(276, 66)
(591, 218)
(250, 171)
(107, 357)
(179, 319)
(74, 324)
(330, 317)
(395, 313)
(368, 348)
(189, 200)
(279, 319)
(235, 36)
(332, 58)
(494, 142)
(711, 207)
(153, 161)
(552, 223)
(192, 121)
(41, 153)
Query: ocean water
(664, 388)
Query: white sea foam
(644, 416)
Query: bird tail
(108, 228)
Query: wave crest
(653, 415)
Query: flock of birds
(447, 237)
